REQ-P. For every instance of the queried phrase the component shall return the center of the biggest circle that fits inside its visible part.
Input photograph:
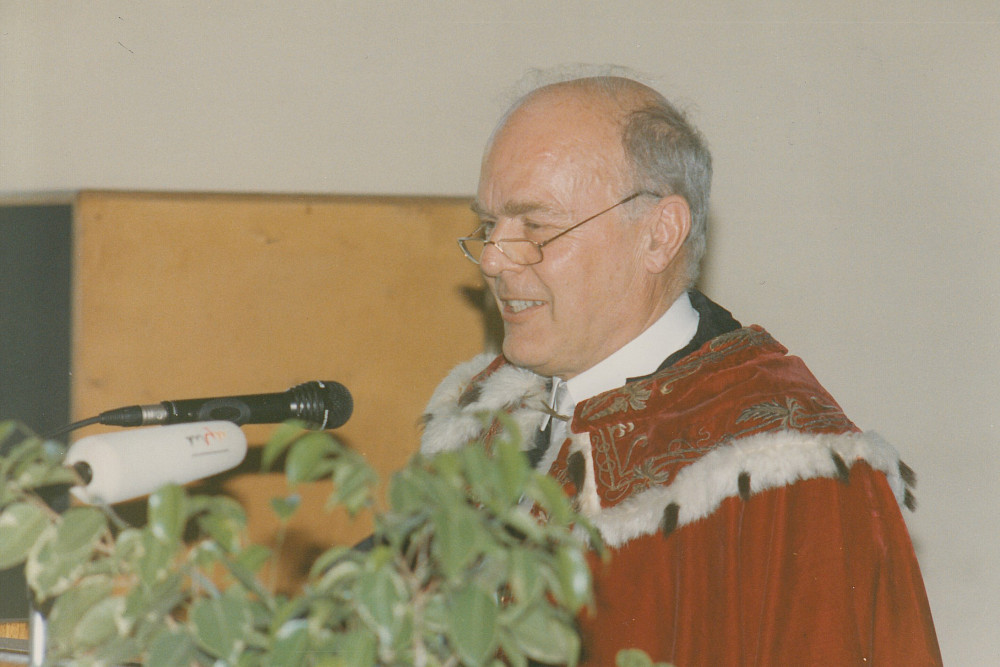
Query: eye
(486, 228)
(535, 230)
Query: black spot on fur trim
(909, 500)
(669, 522)
(908, 475)
(470, 395)
(744, 484)
(843, 472)
(577, 469)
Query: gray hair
(669, 156)
(665, 152)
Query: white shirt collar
(639, 357)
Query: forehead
(558, 142)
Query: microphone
(128, 464)
(323, 405)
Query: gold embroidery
(793, 414)
(633, 396)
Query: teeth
(517, 305)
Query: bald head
(624, 93)
(567, 131)
(612, 98)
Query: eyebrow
(512, 209)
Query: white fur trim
(771, 459)
(588, 503)
(510, 389)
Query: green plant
(461, 571)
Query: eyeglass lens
(519, 251)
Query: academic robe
(749, 522)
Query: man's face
(556, 161)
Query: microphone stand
(57, 498)
(37, 634)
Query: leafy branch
(461, 570)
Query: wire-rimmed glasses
(523, 251)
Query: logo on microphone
(206, 437)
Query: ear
(668, 227)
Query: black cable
(73, 427)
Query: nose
(493, 262)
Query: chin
(525, 358)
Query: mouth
(518, 310)
(519, 305)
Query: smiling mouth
(518, 305)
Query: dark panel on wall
(35, 273)
(35, 247)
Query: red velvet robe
(748, 521)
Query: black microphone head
(323, 404)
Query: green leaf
(221, 518)
(353, 481)
(20, 527)
(154, 563)
(542, 636)
(444, 469)
(167, 514)
(328, 558)
(308, 457)
(482, 469)
(574, 577)
(98, 624)
(286, 507)
(279, 441)
(32, 474)
(379, 594)
(70, 607)
(355, 648)
(28, 450)
(80, 529)
(63, 550)
(254, 557)
(459, 538)
(526, 526)
(291, 644)
(286, 612)
(472, 623)
(407, 491)
(116, 651)
(220, 625)
(633, 657)
(146, 608)
(436, 614)
(514, 470)
(172, 648)
(549, 495)
(511, 652)
(525, 580)
(339, 576)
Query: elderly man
(749, 521)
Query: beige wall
(855, 207)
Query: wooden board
(186, 296)
(14, 645)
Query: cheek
(567, 284)
(603, 292)
(584, 279)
